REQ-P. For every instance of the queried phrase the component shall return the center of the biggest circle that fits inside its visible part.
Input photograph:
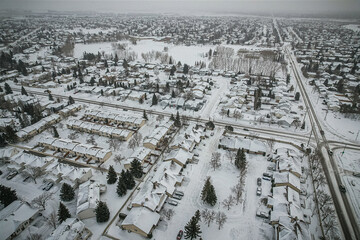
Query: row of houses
(233, 143)
(99, 129)
(76, 149)
(126, 121)
(156, 138)
(71, 228)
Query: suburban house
(152, 195)
(15, 218)
(154, 140)
(70, 109)
(179, 156)
(141, 220)
(287, 179)
(234, 143)
(141, 154)
(71, 228)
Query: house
(141, 154)
(87, 200)
(68, 110)
(179, 156)
(15, 218)
(71, 228)
(152, 195)
(141, 221)
(234, 143)
(154, 140)
(287, 179)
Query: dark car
(180, 234)
(259, 181)
(342, 188)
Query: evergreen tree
(92, 81)
(228, 112)
(2, 141)
(197, 215)
(102, 212)
(128, 179)
(51, 97)
(23, 91)
(192, 229)
(111, 177)
(145, 116)
(121, 188)
(177, 122)
(10, 135)
(173, 95)
(67, 193)
(186, 69)
(154, 100)
(172, 117)
(136, 169)
(303, 125)
(116, 59)
(8, 89)
(63, 213)
(1, 90)
(208, 194)
(297, 96)
(56, 134)
(7, 195)
(240, 159)
(172, 70)
(71, 100)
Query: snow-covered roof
(88, 196)
(151, 195)
(12, 217)
(70, 229)
(242, 143)
(142, 218)
(180, 155)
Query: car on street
(259, 181)
(258, 191)
(180, 234)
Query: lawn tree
(7, 195)
(238, 189)
(73, 135)
(121, 188)
(114, 143)
(71, 100)
(128, 179)
(41, 200)
(220, 219)
(145, 115)
(215, 160)
(168, 213)
(51, 98)
(172, 70)
(67, 192)
(240, 160)
(208, 194)
(237, 114)
(137, 138)
(208, 216)
(230, 155)
(102, 212)
(136, 168)
(197, 215)
(154, 100)
(111, 176)
(159, 118)
(118, 159)
(33, 172)
(192, 229)
(10, 135)
(229, 128)
(229, 202)
(8, 89)
(52, 219)
(210, 125)
(91, 140)
(297, 96)
(303, 125)
(23, 91)
(177, 121)
(63, 213)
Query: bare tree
(159, 118)
(320, 180)
(238, 190)
(41, 200)
(229, 202)
(91, 140)
(271, 143)
(215, 160)
(118, 158)
(220, 219)
(33, 173)
(34, 236)
(168, 213)
(114, 143)
(208, 216)
(73, 135)
(230, 155)
(137, 138)
(52, 219)
(237, 114)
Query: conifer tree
(71, 100)
(172, 70)
(177, 122)
(128, 179)
(208, 194)
(51, 97)
(10, 135)
(63, 213)
(2, 141)
(102, 212)
(303, 125)
(173, 95)
(136, 169)
(145, 115)
(192, 229)
(67, 193)
(8, 89)
(121, 188)
(23, 91)
(111, 176)
(7, 195)
(172, 117)
(154, 100)
(56, 134)
(240, 159)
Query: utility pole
(327, 111)
(343, 150)
(357, 135)
(310, 137)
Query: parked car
(180, 193)
(342, 188)
(11, 175)
(172, 202)
(212, 134)
(259, 181)
(245, 129)
(180, 234)
(266, 178)
(330, 152)
(49, 186)
(258, 191)
(177, 197)
(262, 214)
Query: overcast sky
(189, 6)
